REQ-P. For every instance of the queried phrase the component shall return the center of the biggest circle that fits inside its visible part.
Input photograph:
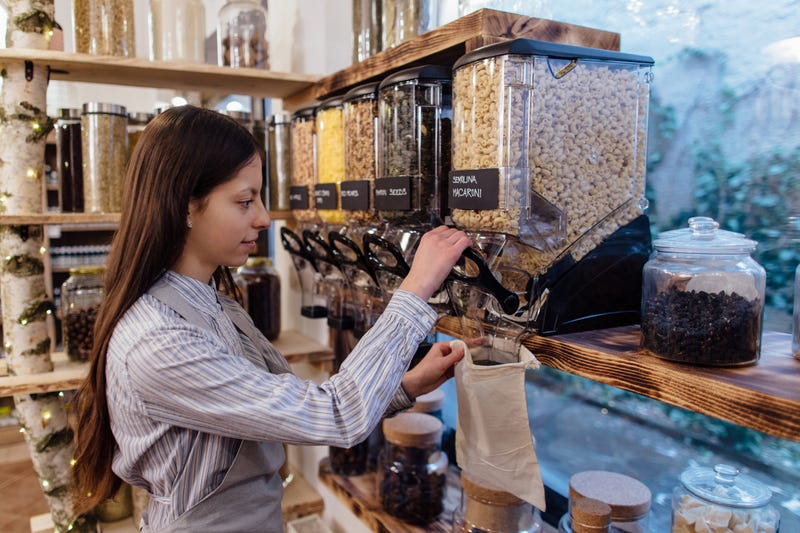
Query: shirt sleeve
(187, 377)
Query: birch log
(25, 304)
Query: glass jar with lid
(412, 469)
(279, 141)
(703, 297)
(360, 150)
(178, 30)
(69, 160)
(629, 500)
(484, 510)
(304, 166)
(366, 29)
(242, 35)
(261, 294)
(415, 114)
(405, 19)
(104, 27)
(81, 296)
(722, 499)
(104, 148)
(329, 123)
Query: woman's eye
(246, 203)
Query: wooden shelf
(178, 75)
(87, 221)
(68, 375)
(360, 496)
(443, 45)
(764, 397)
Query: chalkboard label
(355, 195)
(298, 197)
(325, 196)
(473, 189)
(393, 194)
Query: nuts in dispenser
(549, 145)
(703, 297)
(303, 166)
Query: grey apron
(249, 498)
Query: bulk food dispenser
(548, 174)
(300, 201)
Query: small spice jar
(412, 469)
(279, 141)
(261, 292)
(483, 510)
(304, 171)
(178, 30)
(703, 297)
(69, 160)
(722, 499)
(104, 148)
(136, 125)
(628, 498)
(81, 296)
(242, 35)
(104, 27)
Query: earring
(189, 223)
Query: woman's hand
(435, 368)
(438, 252)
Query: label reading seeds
(393, 194)
(298, 197)
(473, 189)
(325, 196)
(355, 195)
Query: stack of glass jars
(484, 510)
(703, 297)
(242, 35)
(412, 469)
(81, 296)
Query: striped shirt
(181, 397)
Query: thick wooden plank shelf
(359, 493)
(68, 375)
(443, 45)
(764, 397)
(178, 75)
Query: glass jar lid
(87, 270)
(724, 485)
(103, 108)
(703, 236)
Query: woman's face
(225, 225)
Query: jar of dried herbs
(81, 296)
(104, 27)
(279, 142)
(304, 171)
(415, 115)
(68, 157)
(360, 150)
(412, 469)
(703, 297)
(483, 509)
(104, 148)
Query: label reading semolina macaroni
(473, 189)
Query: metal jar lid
(103, 108)
(724, 485)
(363, 91)
(307, 113)
(139, 117)
(703, 236)
(280, 118)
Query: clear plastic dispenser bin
(703, 297)
(549, 145)
(414, 144)
(304, 167)
(361, 154)
(329, 124)
(313, 304)
(722, 499)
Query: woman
(184, 397)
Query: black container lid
(334, 101)
(530, 47)
(305, 113)
(365, 89)
(423, 73)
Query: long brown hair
(182, 155)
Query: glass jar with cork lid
(412, 469)
(485, 510)
(628, 499)
(81, 296)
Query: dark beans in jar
(79, 333)
(407, 489)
